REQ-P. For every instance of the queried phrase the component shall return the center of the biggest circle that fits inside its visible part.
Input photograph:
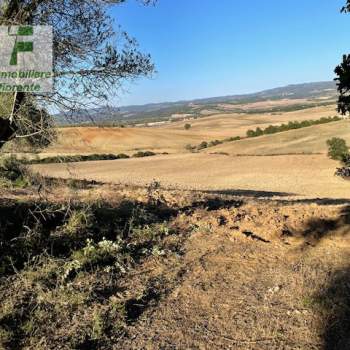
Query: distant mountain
(158, 111)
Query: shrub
(346, 159)
(230, 139)
(343, 172)
(337, 148)
(100, 253)
(251, 133)
(11, 168)
(214, 143)
(122, 156)
(76, 158)
(79, 221)
(272, 129)
(259, 132)
(104, 252)
(202, 145)
(187, 126)
(190, 148)
(14, 173)
(141, 154)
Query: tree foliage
(343, 76)
(91, 57)
(337, 148)
(273, 129)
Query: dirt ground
(249, 281)
(249, 274)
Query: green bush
(190, 148)
(337, 148)
(142, 154)
(77, 158)
(251, 133)
(230, 139)
(272, 129)
(187, 126)
(214, 143)
(122, 156)
(11, 168)
(14, 173)
(203, 145)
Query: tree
(91, 60)
(343, 79)
(202, 145)
(251, 133)
(258, 132)
(187, 126)
(337, 148)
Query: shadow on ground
(317, 229)
(332, 300)
(334, 304)
(278, 196)
(249, 193)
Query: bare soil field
(171, 138)
(301, 175)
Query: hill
(318, 93)
(172, 137)
(306, 140)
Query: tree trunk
(8, 126)
(13, 12)
(6, 131)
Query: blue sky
(206, 48)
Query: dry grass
(301, 175)
(242, 293)
(306, 140)
(237, 124)
(213, 272)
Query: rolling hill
(172, 137)
(316, 93)
(302, 141)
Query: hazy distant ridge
(315, 90)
